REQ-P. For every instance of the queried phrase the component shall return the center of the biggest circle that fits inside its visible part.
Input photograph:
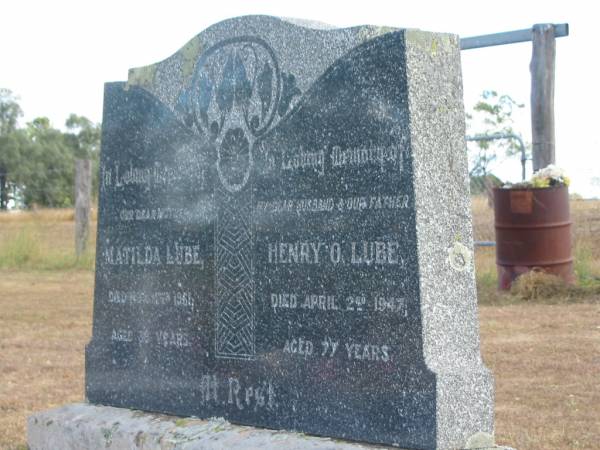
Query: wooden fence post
(542, 95)
(83, 193)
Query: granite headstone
(284, 236)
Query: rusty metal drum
(533, 232)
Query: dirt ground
(45, 322)
(546, 360)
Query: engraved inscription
(334, 204)
(354, 252)
(181, 299)
(325, 160)
(255, 396)
(163, 337)
(331, 302)
(203, 210)
(367, 156)
(300, 346)
(171, 253)
(156, 176)
(304, 160)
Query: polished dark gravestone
(284, 237)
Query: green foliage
(84, 136)
(37, 162)
(27, 250)
(584, 267)
(491, 114)
(46, 173)
(84, 139)
(10, 111)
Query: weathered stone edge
(82, 425)
(188, 54)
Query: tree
(84, 136)
(45, 177)
(10, 142)
(37, 162)
(84, 139)
(491, 114)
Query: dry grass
(545, 357)
(537, 285)
(41, 215)
(546, 360)
(42, 239)
(45, 322)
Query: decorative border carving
(237, 93)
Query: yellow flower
(540, 182)
(566, 180)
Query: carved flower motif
(236, 95)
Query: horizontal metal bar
(508, 37)
(484, 244)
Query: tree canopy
(10, 112)
(491, 114)
(37, 161)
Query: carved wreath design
(237, 94)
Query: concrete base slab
(84, 426)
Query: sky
(56, 56)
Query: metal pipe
(494, 136)
(484, 244)
(508, 37)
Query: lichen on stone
(369, 32)
(189, 55)
(431, 43)
(480, 440)
(141, 76)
